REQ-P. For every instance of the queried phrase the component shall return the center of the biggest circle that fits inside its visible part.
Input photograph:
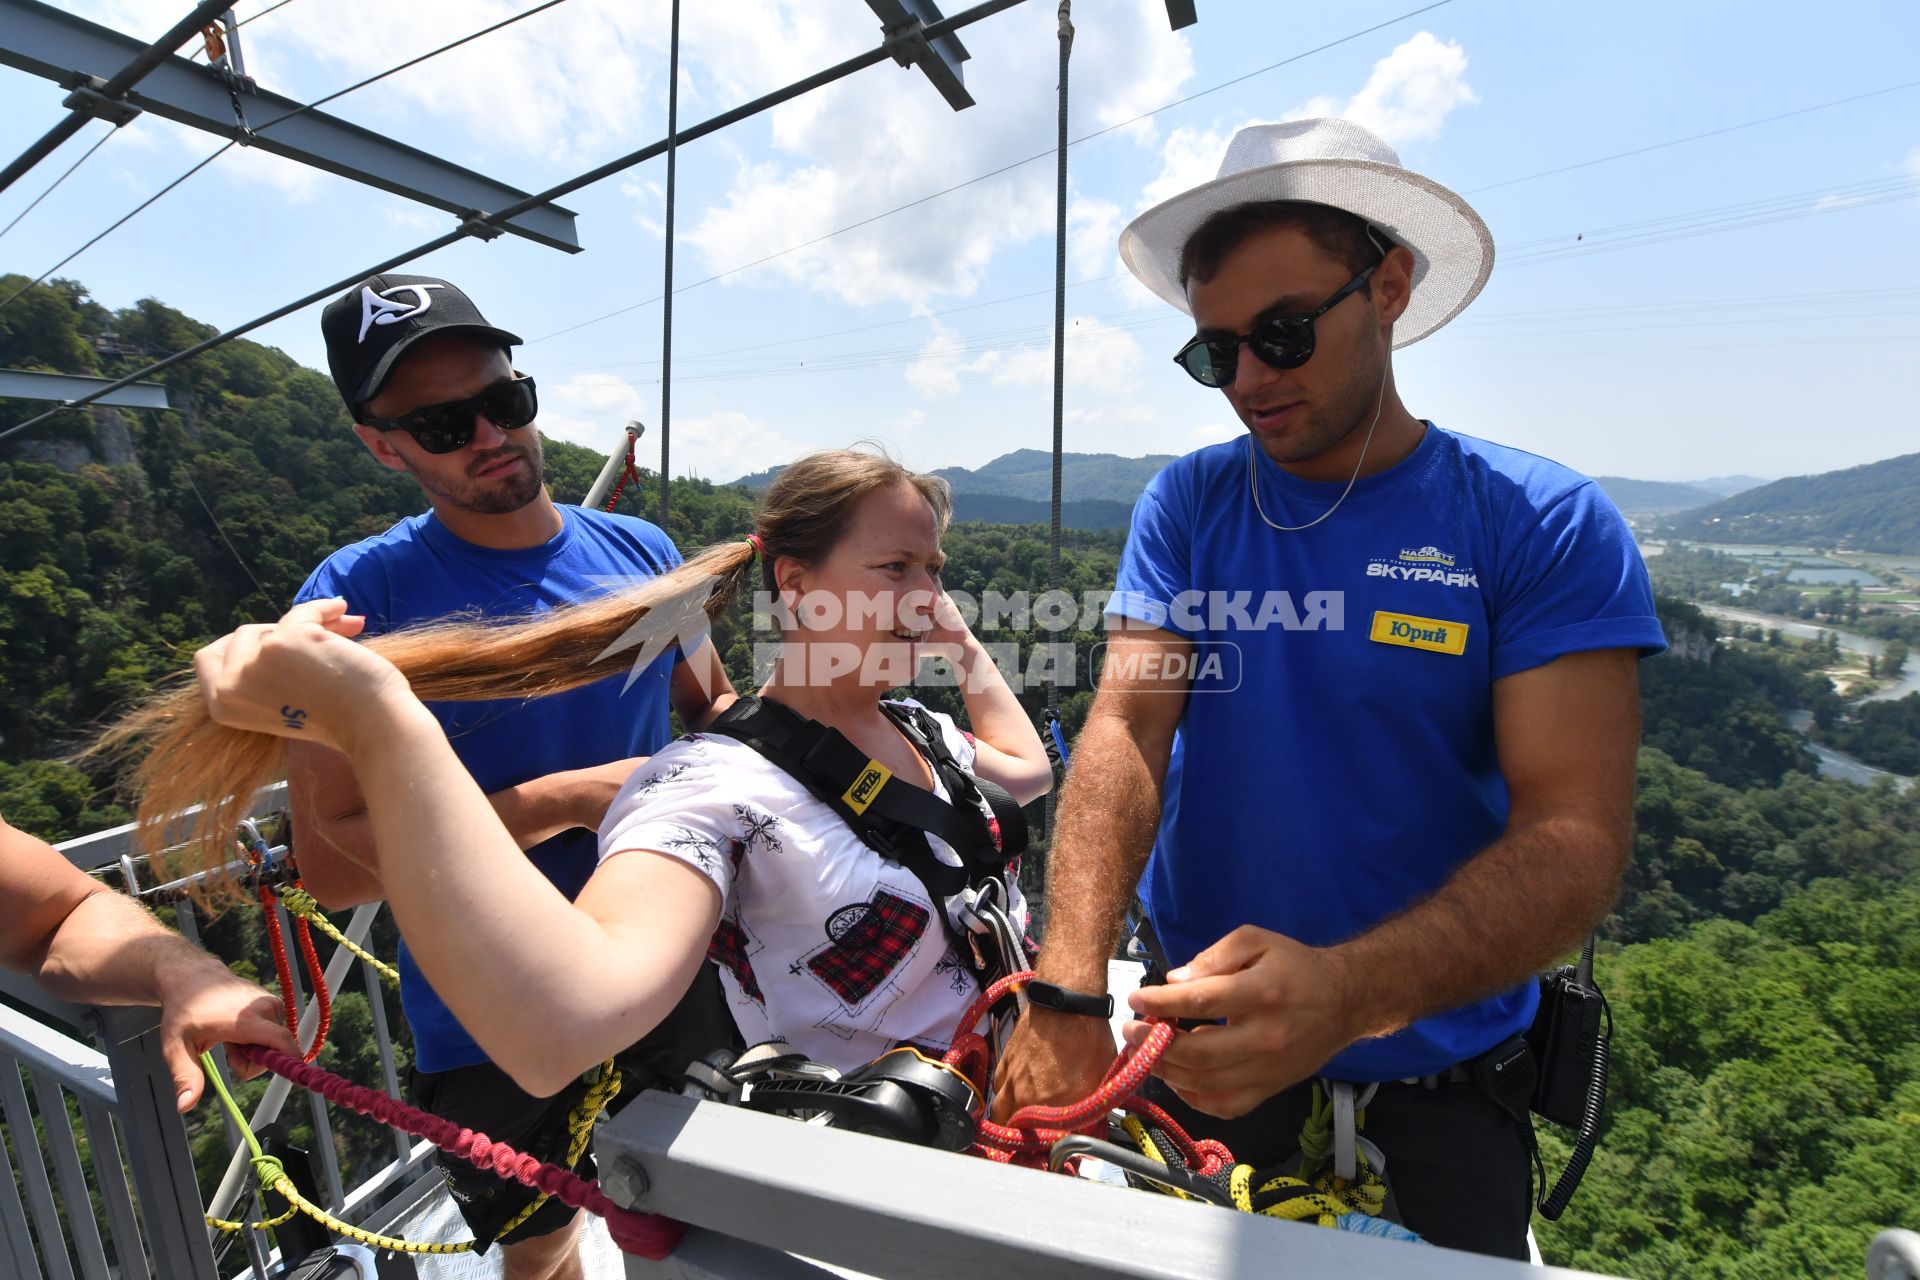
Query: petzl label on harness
(1434, 634)
(866, 786)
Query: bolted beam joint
(89, 101)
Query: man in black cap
(433, 393)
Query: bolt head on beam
(90, 101)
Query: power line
(186, 469)
(1712, 222)
(123, 220)
(994, 173)
(100, 142)
(282, 117)
(280, 4)
(1694, 137)
(841, 333)
(497, 218)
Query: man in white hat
(1396, 777)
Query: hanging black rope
(666, 296)
(1059, 344)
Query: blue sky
(1783, 340)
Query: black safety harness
(979, 820)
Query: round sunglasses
(1284, 342)
(510, 403)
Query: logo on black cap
(384, 308)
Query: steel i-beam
(82, 55)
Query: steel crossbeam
(82, 56)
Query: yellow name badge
(1433, 634)
(866, 786)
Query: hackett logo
(1424, 564)
(1436, 635)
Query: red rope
(283, 969)
(645, 1234)
(1030, 1133)
(631, 473)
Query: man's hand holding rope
(1287, 1008)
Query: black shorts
(485, 1099)
(1459, 1165)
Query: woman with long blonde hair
(711, 848)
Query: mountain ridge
(1871, 507)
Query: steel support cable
(262, 128)
(124, 218)
(1059, 353)
(102, 141)
(279, 4)
(115, 88)
(98, 143)
(492, 221)
(666, 318)
(994, 173)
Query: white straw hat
(1337, 163)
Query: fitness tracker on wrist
(1066, 1000)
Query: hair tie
(759, 548)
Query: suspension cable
(666, 318)
(484, 222)
(258, 129)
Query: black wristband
(1066, 1000)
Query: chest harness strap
(979, 821)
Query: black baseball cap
(371, 326)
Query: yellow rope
(1321, 1201)
(284, 1186)
(302, 904)
(603, 1090)
(270, 1223)
(272, 1176)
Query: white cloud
(1912, 162)
(649, 204)
(592, 408)
(1406, 99)
(1102, 360)
(935, 375)
(1409, 95)
(1093, 234)
(412, 218)
(250, 166)
(728, 444)
(1188, 158)
(884, 138)
(1214, 433)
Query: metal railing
(102, 1068)
(100, 1181)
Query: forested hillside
(1875, 507)
(1763, 960)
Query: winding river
(1833, 764)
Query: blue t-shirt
(418, 571)
(1336, 758)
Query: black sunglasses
(509, 404)
(1284, 342)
